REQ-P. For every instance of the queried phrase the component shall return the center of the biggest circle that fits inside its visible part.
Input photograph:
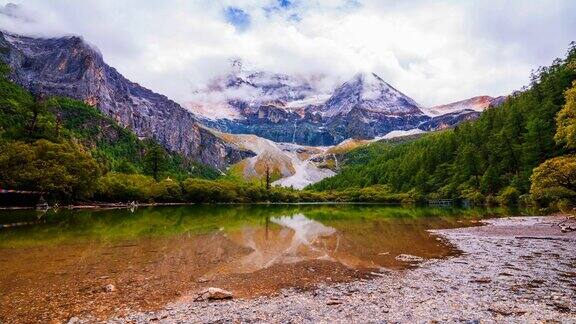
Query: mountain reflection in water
(284, 239)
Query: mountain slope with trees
(492, 157)
(72, 152)
(61, 146)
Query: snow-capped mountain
(367, 91)
(291, 109)
(479, 104)
(367, 107)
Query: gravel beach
(520, 269)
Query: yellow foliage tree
(566, 121)
(557, 174)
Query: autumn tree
(557, 176)
(566, 121)
(557, 173)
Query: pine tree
(154, 160)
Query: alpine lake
(64, 263)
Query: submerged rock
(409, 258)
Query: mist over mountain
(294, 109)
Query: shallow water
(55, 265)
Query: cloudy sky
(434, 51)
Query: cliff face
(69, 67)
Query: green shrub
(475, 197)
(549, 196)
(205, 191)
(62, 170)
(491, 201)
(509, 196)
(125, 187)
(565, 205)
(527, 200)
(167, 190)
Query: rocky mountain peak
(372, 86)
(71, 56)
(369, 92)
(477, 104)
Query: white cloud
(436, 52)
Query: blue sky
(237, 17)
(434, 51)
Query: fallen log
(543, 238)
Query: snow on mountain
(478, 104)
(281, 87)
(295, 165)
(228, 96)
(214, 111)
(221, 98)
(400, 133)
(268, 154)
(369, 92)
(313, 100)
(305, 173)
